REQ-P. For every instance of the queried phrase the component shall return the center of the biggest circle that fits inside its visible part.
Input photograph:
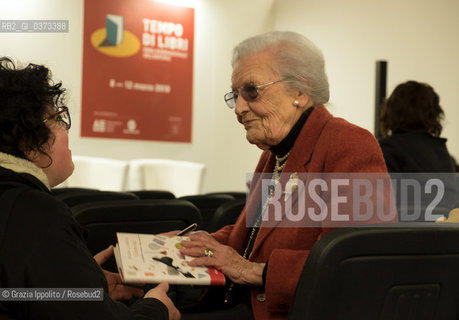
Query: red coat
(325, 144)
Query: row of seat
(180, 177)
(103, 213)
(206, 203)
(384, 271)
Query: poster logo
(113, 40)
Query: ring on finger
(209, 253)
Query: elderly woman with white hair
(279, 86)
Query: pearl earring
(296, 103)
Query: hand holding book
(155, 258)
(207, 251)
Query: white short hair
(295, 58)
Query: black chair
(59, 191)
(207, 205)
(226, 214)
(153, 194)
(77, 197)
(235, 194)
(104, 218)
(399, 271)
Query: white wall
(417, 37)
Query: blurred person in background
(410, 126)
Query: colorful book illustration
(148, 258)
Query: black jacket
(416, 152)
(421, 157)
(44, 247)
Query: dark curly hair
(27, 96)
(412, 106)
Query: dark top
(410, 154)
(416, 152)
(44, 247)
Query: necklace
(278, 167)
(283, 158)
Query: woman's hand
(116, 289)
(160, 292)
(223, 258)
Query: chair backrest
(98, 173)
(207, 205)
(399, 271)
(79, 196)
(226, 214)
(153, 194)
(235, 194)
(62, 190)
(180, 177)
(104, 218)
(140, 216)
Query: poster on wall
(137, 70)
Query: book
(149, 258)
(115, 29)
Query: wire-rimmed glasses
(249, 92)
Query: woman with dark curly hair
(41, 245)
(410, 124)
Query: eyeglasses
(62, 116)
(249, 92)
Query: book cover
(148, 258)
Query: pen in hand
(190, 228)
